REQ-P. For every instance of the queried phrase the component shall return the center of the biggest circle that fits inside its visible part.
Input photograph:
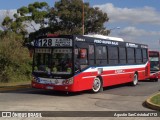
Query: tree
(15, 63)
(36, 12)
(16, 26)
(66, 18)
(26, 17)
(1, 32)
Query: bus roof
(104, 37)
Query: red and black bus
(154, 57)
(75, 63)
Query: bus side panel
(84, 81)
(109, 78)
(159, 75)
(118, 78)
(147, 70)
(144, 73)
(123, 76)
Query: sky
(139, 20)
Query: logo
(79, 39)
(6, 114)
(119, 71)
(131, 45)
(21, 114)
(56, 81)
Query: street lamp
(113, 29)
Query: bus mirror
(83, 53)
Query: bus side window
(101, 55)
(138, 56)
(145, 55)
(122, 55)
(113, 55)
(91, 55)
(83, 53)
(130, 55)
(82, 56)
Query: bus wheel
(135, 80)
(97, 84)
(156, 80)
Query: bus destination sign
(53, 42)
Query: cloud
(132, 19)
(146, 14)
(10, 13)
(132, 31)
(4, 13)
(132, 34)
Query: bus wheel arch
(97, 84)
(135, 79)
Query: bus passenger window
(83, 53)
(145, 55)
(82, 56)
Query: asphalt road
(115, 98)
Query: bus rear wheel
(97, 84)
(135, 80)
(156, 80)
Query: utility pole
(83, 17)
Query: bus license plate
(49, 87)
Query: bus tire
(156, 80)
(97, 85)
(135, 80)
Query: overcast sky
(139, 20)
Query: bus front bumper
(68, 88)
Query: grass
(14, 84)
(156, 99)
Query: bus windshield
(55, 61)
(42, 60)
(154, 62)
(62, 61)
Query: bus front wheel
(97, 85)
(156, 80)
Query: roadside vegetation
(15, 63)
(156, 99)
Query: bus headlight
(68, 81)
(34, 79)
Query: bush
(15, 63)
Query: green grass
(14, 84)
(156, 99)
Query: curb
(17, 87)
(152, 105)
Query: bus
(75, 63)
(154, 58)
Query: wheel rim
(96, 85)
(135, 81)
